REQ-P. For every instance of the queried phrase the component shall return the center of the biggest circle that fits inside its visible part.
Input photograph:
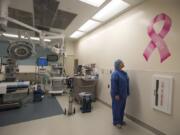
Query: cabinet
(82, 84)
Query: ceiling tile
(63, 19)
(44, 12)
(23, 16)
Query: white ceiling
(83, 11)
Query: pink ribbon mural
(157, 39)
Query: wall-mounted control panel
(162, 93)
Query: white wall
(27, 69)
(126, 38)
(128, 35)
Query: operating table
(8, 87)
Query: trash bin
(85, 102)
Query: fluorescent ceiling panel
(89, 25)
(110, 10)
(77, 34)
(95, 3)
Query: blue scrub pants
(118, 107)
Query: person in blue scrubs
(119, 93)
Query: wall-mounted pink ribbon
(157, 39)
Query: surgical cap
(117, 64)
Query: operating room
(89, 67)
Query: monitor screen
(42, 61)
(52, 58)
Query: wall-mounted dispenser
(162, 93)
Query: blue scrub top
(120, 84)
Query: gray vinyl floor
(98, 122)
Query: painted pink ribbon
(157, 39)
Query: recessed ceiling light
(77, 34)
(16, 36)
(47, 40)
(89, 25)
(10, 35)
(35, 38)
(96, 3)
(110, 10)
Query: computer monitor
(42, 61)
(52, 58)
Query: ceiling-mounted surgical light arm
(54, 37)
(41, 33)
(52, 33)
(4, 18)
(23, 24)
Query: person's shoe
(119, 126)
